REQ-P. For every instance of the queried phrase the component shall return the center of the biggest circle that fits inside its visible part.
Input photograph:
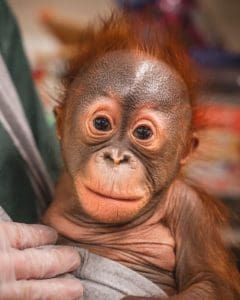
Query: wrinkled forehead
(134, 78)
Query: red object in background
(223, 116)
(38, 75)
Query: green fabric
(16, 194)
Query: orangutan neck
(146, 246)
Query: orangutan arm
(204, 269)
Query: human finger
(44, 262)
(22, 236)
(48, 289)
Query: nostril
(107, 156)
(125, 158)
(116, 158)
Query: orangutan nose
(116, 156)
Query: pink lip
(114, 197)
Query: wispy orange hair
(120, 32)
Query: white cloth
(105, 279)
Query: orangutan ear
(192, 147)
(58, 112)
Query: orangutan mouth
(113, 197)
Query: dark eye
(102, 124)
(143, 132)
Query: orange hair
(119, 32)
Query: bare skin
(125, 132)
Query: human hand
(29, 262)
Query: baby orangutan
(126, 129)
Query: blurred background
(211, 32)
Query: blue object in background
(134, 4)
(215, 57)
